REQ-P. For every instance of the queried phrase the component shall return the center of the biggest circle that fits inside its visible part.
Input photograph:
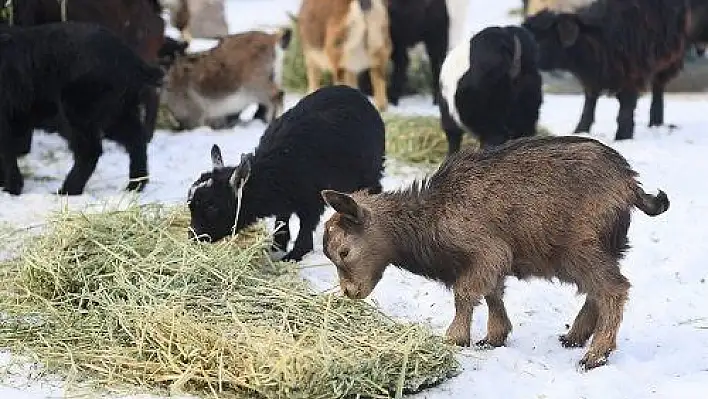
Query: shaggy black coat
(87, 76)
(498, 95)
(144, 34)
(332, 139)
(410, 23)
(618, 47)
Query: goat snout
(351, 290)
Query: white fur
(457, 12)
(455, 65)
(355, 57)
(278, 65)
(221, 107)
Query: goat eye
(343, 253)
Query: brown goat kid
(209, 87)
(345, 37)
(534, 207)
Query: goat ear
(216, 160)
(242, 171)
(345, 205)
(568, 31)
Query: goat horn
(516, 61)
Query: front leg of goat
(498, 323)
(458, 333)
(10, 176)
(304, 243)
(587, 118)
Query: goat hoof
(488, 344)
(136, 185)
(13, 189)
(568, 342)
(292, 256)
(592, 360)
(67, 191)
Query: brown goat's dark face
(355, 245)
(213, 199)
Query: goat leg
(398, 73)
(452, 130)
(10, 176)
(498, 323)
(625, 117)
(458, 333)
(436, 47)
(304, 242)
(587, 118)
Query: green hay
(417, 139)
(122, 300)
(420, 139)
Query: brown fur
(243, 62)
(534, 207)
(326, 26)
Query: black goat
(86, 75)
(491, 86)
(698, 33)
(331, 139)
(431, 22)
(618, 47)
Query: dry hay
(122, 300)
(419, 139)
(295, 73)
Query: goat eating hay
(123, 297)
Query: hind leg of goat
(583, 326)
(625, 117)
(608, 290)
(498, 323)
(304, 242)
(656, 110)
(130, 132)
(86, 147)
(587, 118)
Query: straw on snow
(124, 297)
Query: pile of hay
(122, 300)
(419, 139)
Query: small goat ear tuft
(216, 160)
(242, 171)
(345, 205)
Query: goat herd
(521, 206)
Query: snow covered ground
(663, 342)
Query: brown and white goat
(209, 87)
(346, 37)
(534, 207)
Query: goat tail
(652, 205)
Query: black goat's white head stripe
(193, 189)
(516, 61)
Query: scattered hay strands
(122, 298)
(420, 139)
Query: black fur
(618, 47)
(698, 33)
(170, 50)
(331, 139)
(87, 76)
(410, 23)
(493, 104)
